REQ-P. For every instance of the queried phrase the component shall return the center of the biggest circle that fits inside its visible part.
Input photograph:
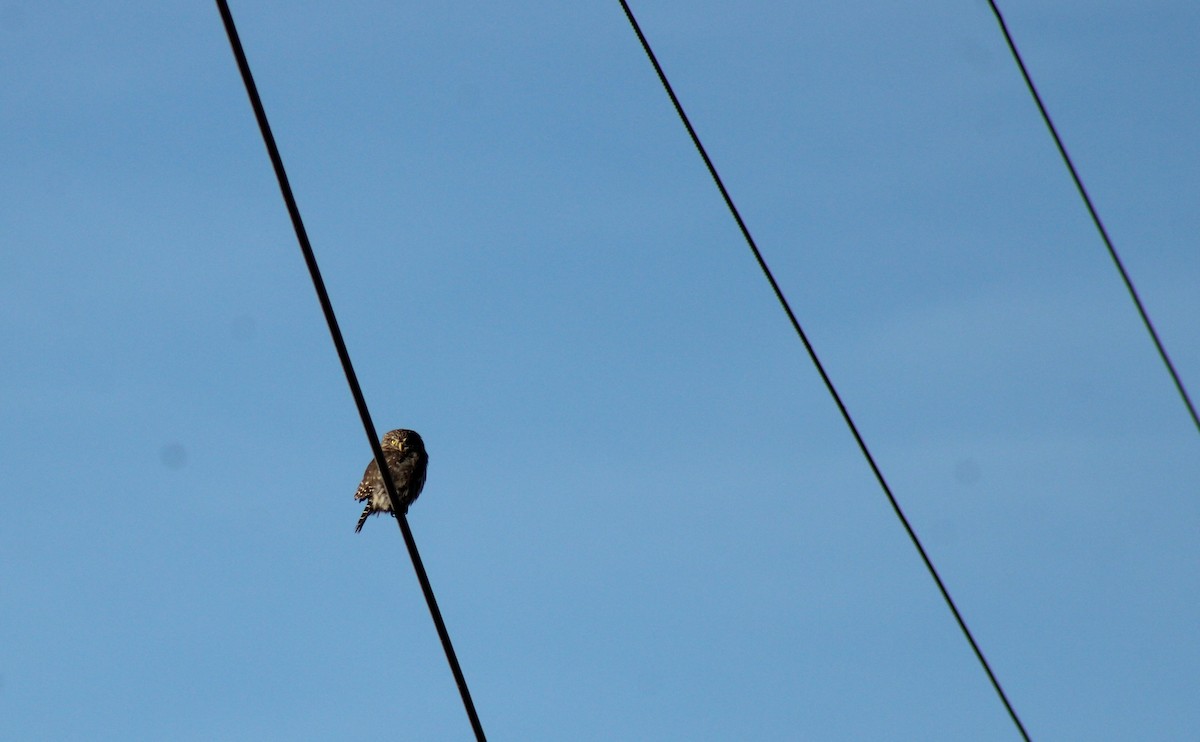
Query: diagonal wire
(1087, 200)
(812, 354)
(351, 378)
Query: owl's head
(401, 440)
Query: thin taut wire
(1087, 200)
(812, 354)
(351, 378)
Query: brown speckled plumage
(404, 452)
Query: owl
(404, 452)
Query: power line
(812, 354)
(1087, 200)
(351, 378)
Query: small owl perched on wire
(404, 452)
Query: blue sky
(644, 517)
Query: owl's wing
(370, 477)
(410, 472)
(418, 481)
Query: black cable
(351, 378)
(1087, 200)
(812, 354)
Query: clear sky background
(644, 517)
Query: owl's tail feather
(363, 518)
